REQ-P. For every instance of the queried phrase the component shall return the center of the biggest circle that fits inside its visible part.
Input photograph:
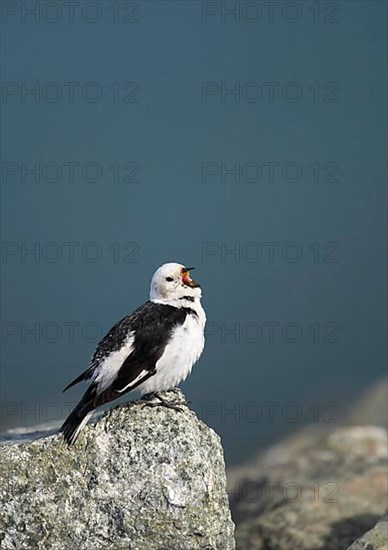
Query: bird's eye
(169, 279)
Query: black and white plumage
(152, 349)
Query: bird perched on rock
(152, 349)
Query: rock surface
(375, 539)
(142, 478)
(316, 490)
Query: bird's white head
(172, 285)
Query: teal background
(170, 213)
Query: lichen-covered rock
(375, 539)
(142, 478)
(316, 490)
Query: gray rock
(375, 539)
(142, 478)
(316, 490)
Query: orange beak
(186, 279)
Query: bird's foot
(149, 401)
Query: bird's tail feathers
(73, 424)
(83, 376)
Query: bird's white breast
(182, 351)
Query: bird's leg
(162, 402)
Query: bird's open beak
(186, 279)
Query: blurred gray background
(244, 141)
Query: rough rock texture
(375, 539)
(317, 490)
(142, 478)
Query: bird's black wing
(113, 340)
(151, 325)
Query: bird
(151, 350)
